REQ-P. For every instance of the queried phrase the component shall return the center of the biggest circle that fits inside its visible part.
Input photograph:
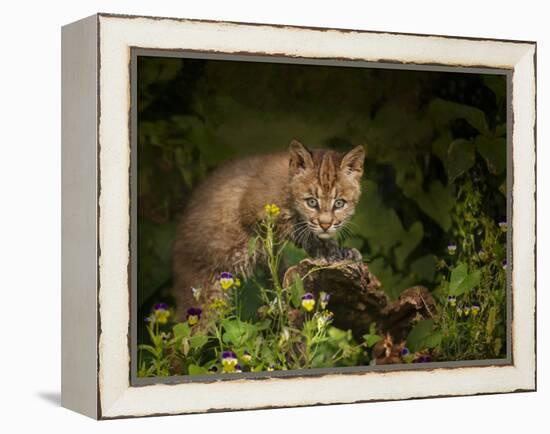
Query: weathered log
(357, 298)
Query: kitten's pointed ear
(353, 161)
(300, 158)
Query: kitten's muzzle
(325, 226)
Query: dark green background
(423, 131)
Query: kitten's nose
(325, 226)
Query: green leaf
(198, 341)
(393, 283)
(458, 275)
(293, 254)
(371, 340)
(422, 336)
(237, 332)
(443, 112)
(150, 349)
(471, 281)
(262, 325)
(297, 291)
(491, 322)
(424, 267)
(433, 340)
(409, 241)
(418, 334)
(493, 151)
(436, 203)
(461, 282)
(267, 355)
(249, 297)
(197, 370)
(375, 222)
(337, 334)
(181, 330)
(372, 328)
(460, 158)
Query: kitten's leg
(350, 254)
(331, 251)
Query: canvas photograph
(294, 216)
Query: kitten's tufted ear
(353, 161)
(300, 158)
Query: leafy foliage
(293, 330)
(436, 144)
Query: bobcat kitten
(316, 190)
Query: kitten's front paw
(345, 254)
(351, 254)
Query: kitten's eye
(339, 203)
(312, 202)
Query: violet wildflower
(226, 280)
(475, 308)
(323, 299)
(229, 361)
(423, 359)
(160, 313)
(451, 299)
(193, 315)
(452, 249)
(308, 301)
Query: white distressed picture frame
(96, 301)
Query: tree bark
(357, 298)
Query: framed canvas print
(260, 216)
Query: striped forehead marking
(327, 172)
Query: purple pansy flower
(226, 280)
(308, 301)
(229, 361)
(193, 315)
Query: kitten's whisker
(345, 233)
(298, 227)
(308, 235)
(352, 224)
(349, 233)
(291, 231)
(300, 233)
(348, 229)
